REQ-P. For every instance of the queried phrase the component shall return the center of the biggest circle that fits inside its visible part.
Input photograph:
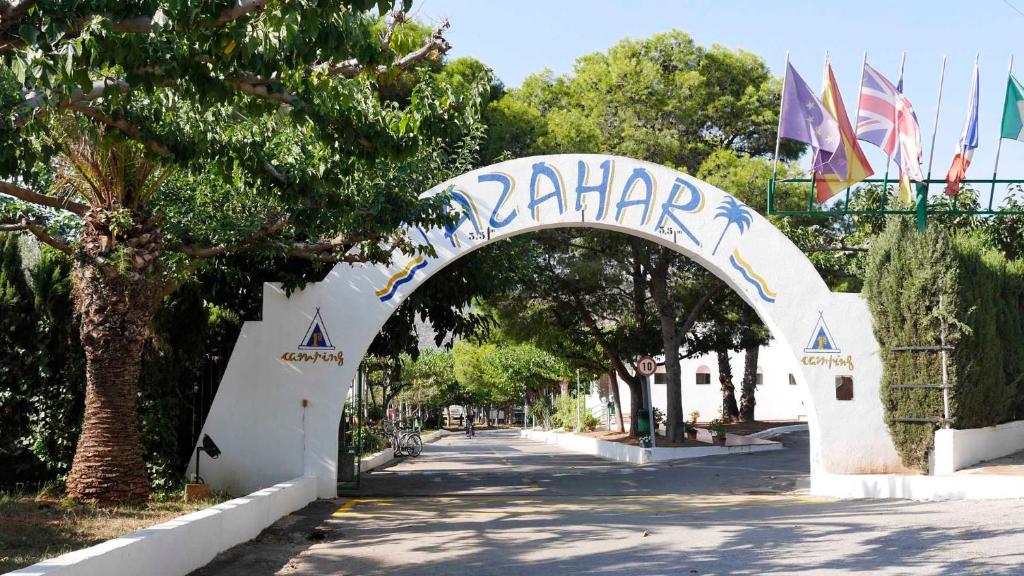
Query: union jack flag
(887, 120)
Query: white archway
(276, 413)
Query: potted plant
(717, 429)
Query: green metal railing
(921, 209)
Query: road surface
(497, 504)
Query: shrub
(908, 274)
(565, 415)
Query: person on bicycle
(469, 423)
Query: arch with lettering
(276, 413)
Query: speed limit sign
(646, 365)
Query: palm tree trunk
(115, 310)
(717, 244)
(747, 400)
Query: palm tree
(734, 213)
(116, 263)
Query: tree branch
(698, 309)
(39, 232)
(11, 12)
(335, 250)
(123, 126)
(269, 228)
(352, 67)
(143, 24)
(31, 197)
(841, 247)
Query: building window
(660, 378)
(759, 379)
(703, 375)
(792, 380)
(844, 387)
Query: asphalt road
(497, 504)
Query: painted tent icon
(316, 337)
(821, 341)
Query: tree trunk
(730, 411)
(636, 404)
(747, 400)
(108, 467)
(116, 308)
(613, 383)
(674, 423)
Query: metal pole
(579, 417)
(999, 145)
(856, 119)
(945, 369)
(359, 428)
(888, 158)
(650, 411)
(778, 135)
(935, 127)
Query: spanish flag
(847, 166)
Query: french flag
(968, 141)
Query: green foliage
(908, 275)
(42, 380)
(663, 99)
(294, 110)
(503, 373)
(432, 382)
(568, 412)
(716, 427)
(374, 440)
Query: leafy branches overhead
(296, 128)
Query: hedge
(908, 274)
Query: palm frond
(109, 174)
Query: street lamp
(211, 449)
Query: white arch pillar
(276, 413)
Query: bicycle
(406, 441)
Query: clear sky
(521, 37)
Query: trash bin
(347, 466)
(643, 423)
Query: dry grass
(34, 528)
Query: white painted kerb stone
(635, 454)
(186, 543)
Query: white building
(778, 395)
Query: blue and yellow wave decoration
(401, 277)
(755, 279)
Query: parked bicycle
(406, 441)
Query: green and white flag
(1013, 110)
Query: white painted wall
(276, 417)
(959, 449)
(777, 399)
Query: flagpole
(778, 134)
(856, 118)
(888, 157)
(999, 145)
(812, 194)
(935, 127)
